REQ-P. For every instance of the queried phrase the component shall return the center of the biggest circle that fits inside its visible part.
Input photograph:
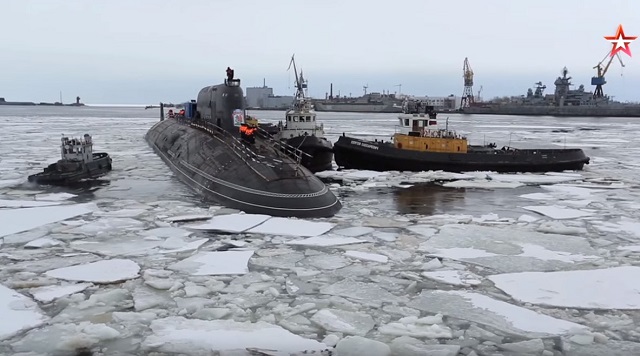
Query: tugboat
(417, 147)
(78, 162)
(300, 130)
(214, 148)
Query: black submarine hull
(206, 154)
(353, 153)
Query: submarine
(210, 146)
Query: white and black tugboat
(301, 130)
(78, 162)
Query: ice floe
(509, 249)
(18, 220)
(6, 203)
(55, 196)
(18, 313)
(535, 179)
(497, 314)
(48, 294)
(454, 277)
(214, 263)
(175, 334)
(351, 323)
(482, 184)
(610, 288)
(105, 271)
(325, 240)
(42, 242)
(367, 256)
(291, 227)
(558, 212)
(234, 223)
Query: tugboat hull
(222, 170)
(320, 150)
(352, 153)
(55, 174)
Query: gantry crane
(599, 80)
(467, 94)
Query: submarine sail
(211, 147)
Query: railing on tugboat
(296, 152)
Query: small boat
(418, 147)
(300, 130)
(78, 162)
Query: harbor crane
(599, 80)
(467, 94)
(478, 98)
(399, 88)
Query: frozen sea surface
(428, 263)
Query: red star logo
(620, 42)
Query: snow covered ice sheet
(7, 203)
(483, 184)
(13, 221)
(48, 294)
(558, 212)
(234, 223)
(509, 248)
(534, 179)
(325, 240)
(497, 314)
(453, 277)
(17, 313)
(214, 263)
(609, 288)
(175, 334)
(292, 227)
(105, 271)
(55, 196)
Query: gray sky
(146, 51)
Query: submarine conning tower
(204, 148)
(220, 104)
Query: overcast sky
(146, 51)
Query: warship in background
(563, 102)
(368, 103)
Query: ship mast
(300, 85)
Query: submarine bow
(204, 149)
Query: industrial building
(263, 98)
